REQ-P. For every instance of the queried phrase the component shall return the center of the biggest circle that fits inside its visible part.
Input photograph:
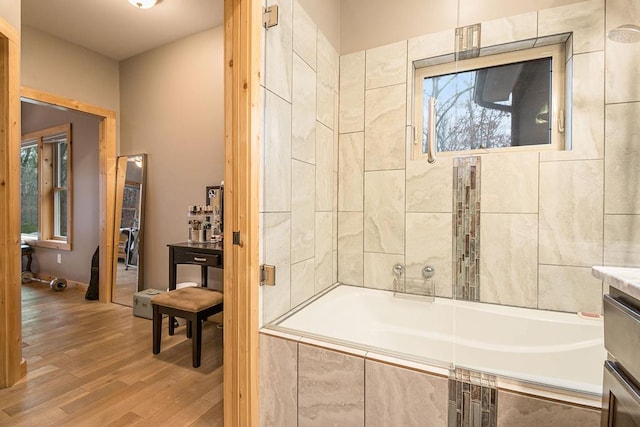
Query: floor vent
(473, 399)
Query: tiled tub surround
(298, 205)
(541, 258)
(305, 382)
(537, 244)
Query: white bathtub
(555, 349)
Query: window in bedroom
(46, 193)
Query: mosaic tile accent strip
(466, 224)
(473, 399)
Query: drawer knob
(200, 259)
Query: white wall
(55, 66)
(10, 12)
(172, 108)
(370, 23)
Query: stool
(194, 304)
(28, 252)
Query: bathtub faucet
(398, 282)
(423, 287)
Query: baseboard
(23, 368)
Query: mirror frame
(121, 174)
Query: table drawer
(199, 258)
(622, 333)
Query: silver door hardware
(467, 42)
(431, 142)
(236, 238)
(270, 16)
(267, 275)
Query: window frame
(49, 171)
(558, 62)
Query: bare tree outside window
(29, 188)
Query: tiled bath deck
(304, 382)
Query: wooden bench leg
(157, 329)
(197, 342)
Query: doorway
(106, 176)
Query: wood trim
(242, 160)
(7, 31)
(107, 188)
(12, 366)
(106, 180)
(49, 98)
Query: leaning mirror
(129, 228)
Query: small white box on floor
(142, 302)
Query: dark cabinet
(621, 389)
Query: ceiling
(118, 30)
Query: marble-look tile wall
(298, 206)
(622, 139)
(305, 383)
(547, 216)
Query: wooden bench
(194, 304)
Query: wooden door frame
(243, 119)
(12, 366)
(242, 124)
(106, 178)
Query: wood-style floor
(126, 284)
(90, 364)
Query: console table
(205, 255)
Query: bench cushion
(189, 299)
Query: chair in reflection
(127, 247)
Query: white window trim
(554, 51)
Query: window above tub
(505, 101)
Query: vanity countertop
(625, 279)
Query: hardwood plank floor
(90, 364)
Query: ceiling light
(143, 4)
(625, 34)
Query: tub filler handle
(398, 270)
(428, 272)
